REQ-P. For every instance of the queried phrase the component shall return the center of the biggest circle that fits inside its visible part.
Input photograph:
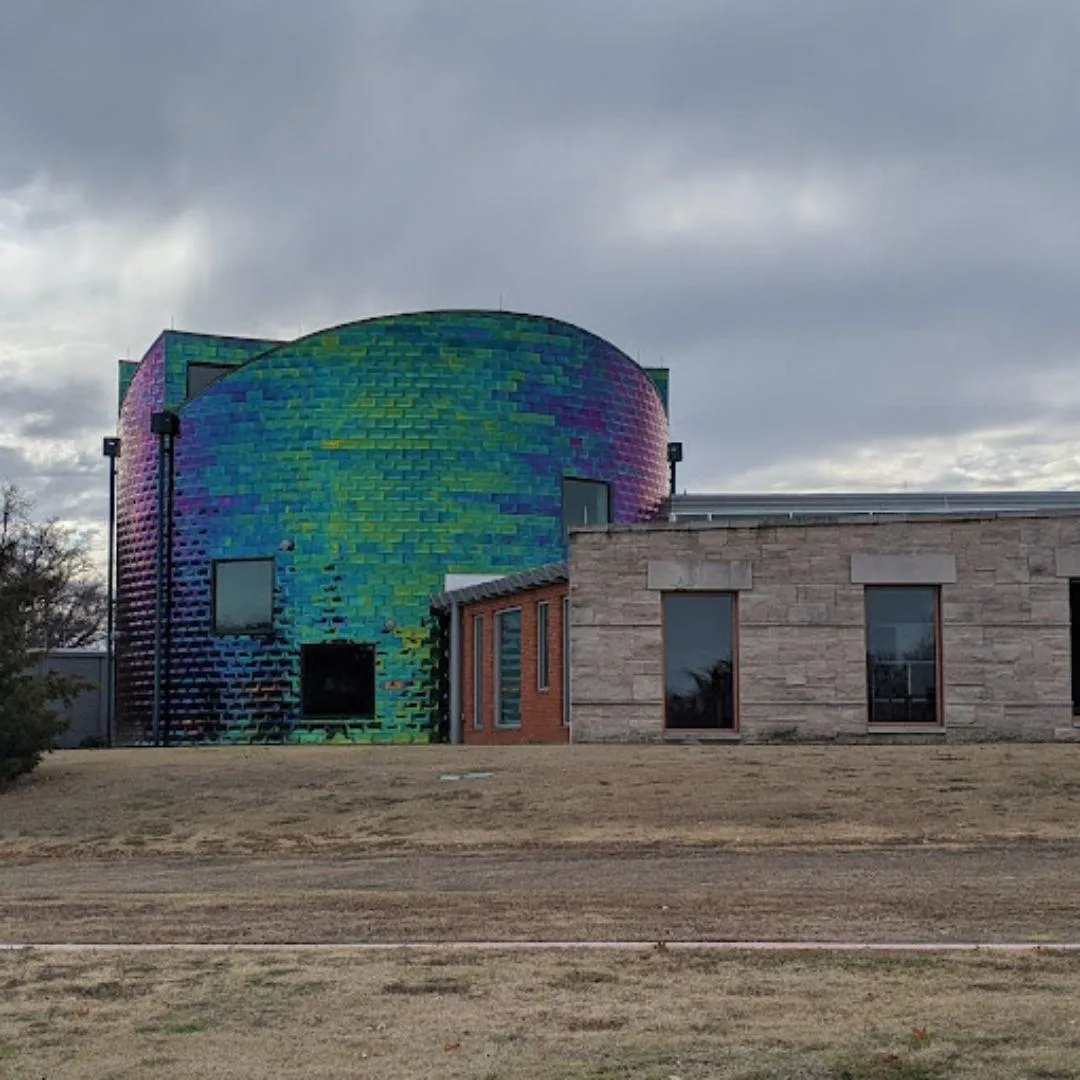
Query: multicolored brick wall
(368, 461)
(159, 381)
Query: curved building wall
(158, 382)
(368, 462)
(136, 540)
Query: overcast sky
(850, 227)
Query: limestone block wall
(801, 669)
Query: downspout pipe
(455, 673)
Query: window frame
(566, 660)
(478, 672)
(260, 631)
(543, 646)
(716, 732)
(497, 689)
(1074, 646)
(938, 724)
(605, 484)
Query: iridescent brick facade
(368, 461)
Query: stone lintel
(706, 575)
(911, 569)
(1067, 562)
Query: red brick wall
(541, 710)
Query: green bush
(28, 726)
(41, 568)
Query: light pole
(166, 426)
(674, 456)
(110, 448)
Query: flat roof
(797, 521)
(836, 504)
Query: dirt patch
(1025, 892)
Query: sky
(851, 228)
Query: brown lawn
(346, 844)
(578, 1016)
(353, 800)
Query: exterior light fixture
(674, 456)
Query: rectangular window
(699, 660)
(1074, 642)
(337, 680)
(200, 376)
(542, 662)
(566, 660)
(585, 502)
(478, 672)
(243, 592)
(508, 668)
(902, 654)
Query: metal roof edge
(808, 520)
(536, 578)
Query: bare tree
(69, 596)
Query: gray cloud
(30, 410)
(845, 224)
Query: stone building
(921, 628)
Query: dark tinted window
(478, 672)
(566, 659)
(338, 679)
(1074, 641)
(243, 596)
(901, 654)
(542, 651)
(200, 376)
(585, 502)
(699, 660)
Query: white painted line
(556, 946)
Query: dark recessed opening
(200, 376)
(338, 679)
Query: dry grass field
(354, 800)
(334, 845)
(577, 1016)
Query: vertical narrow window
(585, 502)
(699, 660)
(902, 654)
(542, 651)
(478, 672)
(566, 660)
(508, 668)
(1074, 642)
